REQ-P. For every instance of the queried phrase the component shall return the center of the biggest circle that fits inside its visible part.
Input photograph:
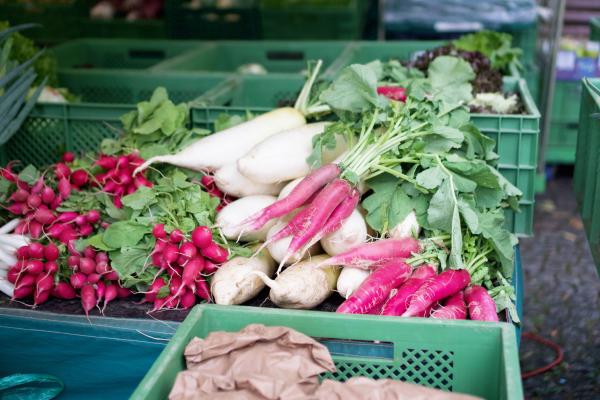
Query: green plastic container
(564, 122)
(595, 29)
(313, 19)
(273, 56)
(586, 181)
(516, 135)
(241, 21)
(460, 356)
(117, 53)
(121, 28)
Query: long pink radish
(398, 303)
(481, 305)
(372, 293)
(297, 197)
(375, 253)
(437, 288)
(454, 308)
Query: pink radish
(78, 280)
(22, 292)
(454, 308)
(87, 265)
(62, 171)
(398, 302)
(112, 276)
(44, 216)
(158, 231)
(202, 289)
(297, 197)
(48, 195)
(64, 188)
(106, 162)
(102, 267)
(55, 230)
(34, 201)
(215, 253)
(23, 252)
(44, 283)
(101, 256)
(171, 253)
(481, 305)
(88, 298)
(188, 299)
(12, 275)
(68, 157)
(51, 267)
(92, 216)
(73, 261)
(376, 288)
(94, 278)
(188, 251)
(123, 292)
(437, 288)
(67, 216)
(86, 230)
(375, 253)
(51, 252)
(35, 229)
(201, 237)
(63, 290)
(17, 208)
(191, 272)
(100, 291)
(34, 267)
(79, 177)
(209, 267)
(110, 294)
(176, 236)
(40, 297)
(19, 195)
(89, 252)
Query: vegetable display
(375, 185)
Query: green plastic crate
(122, 28)
(274, 56)
(562, 140)
(462, 356)
(586, 179)
(241, 21)
(86, 54)
(313, 19)
(516, 135)
(595, 29)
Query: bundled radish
(278, 246)
(351, 233)
(350, 279)
(230, 181)
(118, 178)
(231, 216)
(481, 305)
(401, 296)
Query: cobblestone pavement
(562, 299)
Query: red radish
(51, 252)
(375, 253)
(23, 252)
(111, 186)
(79, 177)
(101, 256)
(202, 289)
(63, 290)
(437, 288)
(158, 231)
(44, 216)
(454, 308)
(68, 157)
(123, 292)
(188, 299)
(80, 220)
(154, 288)
(122, 162)
(94, 278)
(298, 196)
(92, 216)
(86, 230)
(106, 162)
(209, 268)
(21, 229)
(22, 292)
(398, 302)
(34, 267)
(481, 305)
(374, 290)
(158, 304)
(201, 237)
(100, 291)
(176, 236)
(207, 180)
(78, 280)
(62, 171)
(25, 280)
(56, 202)
(112, 276)
(55, 230)
(38, 186)
(171, 302)
(19, 195)
(340, 214)
(34, 201)
(88, 298)
(17, 208)
(51, 267)
(44, 282)
(102, 267)
(67, 216)
(13, 274)
(191, 272)
(159, 246)
(35, 229)
(110, 294)
(89, 252)
(48, 195)
(158, 260)
(40, 297)
(429, 310)
(141, 181)
(215, 253)
(8, 174)
(67, 236)
(171, 253)
(174, 285)
(72, 249)
(73, 261)
(87, 265)
(188, 250)
(64, 188)
(393, 92)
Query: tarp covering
(103, 358)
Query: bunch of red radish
(208, 183)
(117, 178)
(70, 225)
(186, 262)
(93, 276)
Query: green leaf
(468, 210)
(325, 140)
(97, 242)
(388, 205)
(496, 46)
(450, 77)
(140, 199)
(476, 144)
(492, 227)
(110, 147)
(30, 174)
(129, 261)
(125, 234)
(224, 121)
(431, 177)
(153, 150)
(443, 214)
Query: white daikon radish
(9, 226)
(227, 146)
(352, 233)
(283, 156)
(350, 279)
(408, 227)
(278, 249)
(6, 287)
(302, 285)
(234, 283)
(230, 218)
(229, 180)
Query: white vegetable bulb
(408, 227)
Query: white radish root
(230, 218)
(350, 279)
(278, 249)
(229, 180)
(352, 233)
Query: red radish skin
(375, 253)
(34, 201)
(23, 252)
(68, 157)
(106, 162)
(35, 229)
(101, 257)
(44, 283)
(102, 267)
(481, 305)
(13, 274)
(202, 289)
(48, 195)
(51, 252)
(201, 237)
(110, 294)
(94, 278)
(112, 276)
(88, 298)
(34, 267)
(176, 236)
(64, 291)
(73, 261)
(454, 308)
(437, 288)
(19, 195)
(79, 178)
(78, 280)
(40, 297)
(374, 290)
(215, 253)
(158, 231)
(87, 265)
(428, 311)
(64, 188)
(171, 253)
(188, 299)
(51, 267)
(17, 208)
(100, 291)
(209, 268)
(188, 251)
(92, 216)
(398, 302)
(174, 285)
(297, 197)
(44, 216)
(393, 92)
(154, 288)
(123, 292)
(89, 252)
(22, 292)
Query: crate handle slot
(359, 348)
(284, 55)
(147, 54)
(573, 125)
